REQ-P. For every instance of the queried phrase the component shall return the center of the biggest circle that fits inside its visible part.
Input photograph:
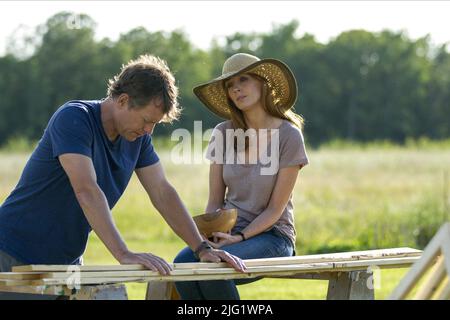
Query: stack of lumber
(49, 275)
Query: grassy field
(346, 199)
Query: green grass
(348, 198)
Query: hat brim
(276, 73)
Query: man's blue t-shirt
(41, 222)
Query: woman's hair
(144, 79)
(268, 104)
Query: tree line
(361, 86)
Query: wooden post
(161, 290)
(103, 292)
(354, 285)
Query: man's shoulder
(78, 106)
(75, 109)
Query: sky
(204, 20)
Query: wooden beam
(444, 292)
(161, 290)
(107, 292)
(350, 286)
(15, 282)
(333, 257)
(19, 275)
(432, 250)
(60, 290)
(217, 273)
(434, 279)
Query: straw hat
(219, 221)
(279, 77)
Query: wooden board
(15, 282)
(61, 290)
(431, 284)
(334, 257)
(214, 273)
(19, 275)
(438, 246)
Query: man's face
(136, 122)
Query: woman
(255, 95)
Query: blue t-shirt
(41, 222)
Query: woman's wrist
(241, 234)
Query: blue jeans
(265, 245)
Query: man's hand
(222, 239)
(148, 260)
(214, 255)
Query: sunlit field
(346, 199)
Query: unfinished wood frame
(192, 274)
(436, 260)
(346, 272)
(318, 258)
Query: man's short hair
(144, 79)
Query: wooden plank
(14, 282)
(432, 250)
(445, 248)
(85, 281)
(431, 284)
(338, 257)
(215, 273)
(51, 290)
(19, 275)
(65, 268)
(106, 292)
(444, 292)
(160, 290)
(105, 274)
(350, 286)
(339, 265)
(229, 273)
(333, 257)
(202, 267)
(269, 268)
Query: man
(81, 167)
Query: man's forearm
(97, 212)
(172, 209)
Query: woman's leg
(264, 245)
(198, 290)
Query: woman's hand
(222, 239)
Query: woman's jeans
(265, 245)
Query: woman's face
(245, 91)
